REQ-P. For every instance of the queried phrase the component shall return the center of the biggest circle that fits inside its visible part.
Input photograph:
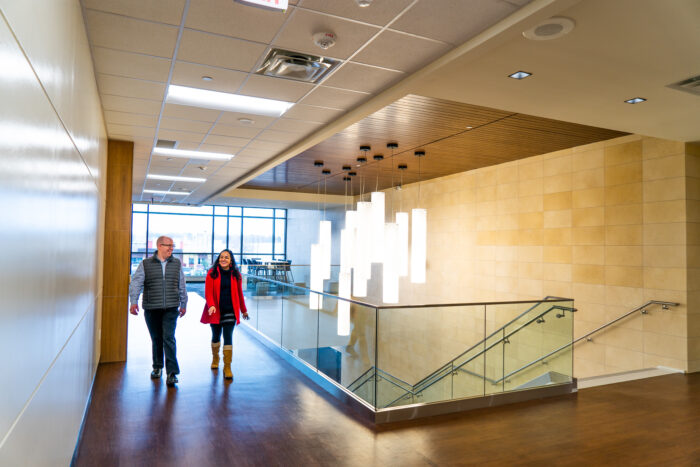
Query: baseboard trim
(613, 378)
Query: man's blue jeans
(161, 326)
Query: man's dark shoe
(155, 374)
(172, 379)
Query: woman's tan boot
(228, 355)
(215, 355)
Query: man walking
(162, 281)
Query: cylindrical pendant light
(344, 280)
(402, 243)
(316, 278)
(418, 245)
(377, 226)
(324, 240)
(364, 238)
(390, 280)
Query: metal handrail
(664, 306)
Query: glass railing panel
(268, 307)
(418, 345)
(548, 331)
(493, 363)
(299, 324)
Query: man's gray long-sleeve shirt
(136, 285)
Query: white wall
(52, 158)
(302, 231)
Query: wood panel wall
(117, 251)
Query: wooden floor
(272, 415)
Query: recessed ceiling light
(520, 75)
(192, 154)
(163, 192)
(225, 101)
(469, 127)
(175, 178)
(246, 121)
(207, 78)
(635, 100)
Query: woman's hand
(245, 316)
(212, 310)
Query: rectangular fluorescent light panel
(175, 178)
(164, 192)
(187, 154)
(225, 101)
(635, 100)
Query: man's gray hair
(161, 239)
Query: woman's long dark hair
(214, 270)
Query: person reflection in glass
(223, 308)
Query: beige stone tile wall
(692, 171)
(611, 225)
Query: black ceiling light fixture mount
(378, 157)
(318, 163)
(419, 153)
(392, 145)
(326, 171)
(347, 168)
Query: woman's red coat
(212, 289)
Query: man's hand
(134, 310)
(212, 310)
(245, 316)
(182, 312)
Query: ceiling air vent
(166, 144)
(297, 66)
(691, 85)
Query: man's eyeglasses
(168, 245)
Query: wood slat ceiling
(438, 127)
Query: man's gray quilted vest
(160, 292)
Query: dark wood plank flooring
(272, 415)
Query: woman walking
(224, 304)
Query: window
(201, 232)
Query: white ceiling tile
(153, 10)
(131, 35)
(227, 141)
(453, 21)
(279, 136)
(124, 118)
(268, 145)
(167, 163)
(297, 34)
(176, 135)
(300, 126)
(129, 104)
(275, 88)
(358, 77)
(401, 52)
(194, 126)
(334, 98)
(380, 12)
(130, 130)
(234, 19)
(214, 50)
(131, 65)
(238, 131)
(190, 74)
(190, 113)
(232, 118)
(312, 113)
(216, 148)
(129, 87)
(254, 153)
